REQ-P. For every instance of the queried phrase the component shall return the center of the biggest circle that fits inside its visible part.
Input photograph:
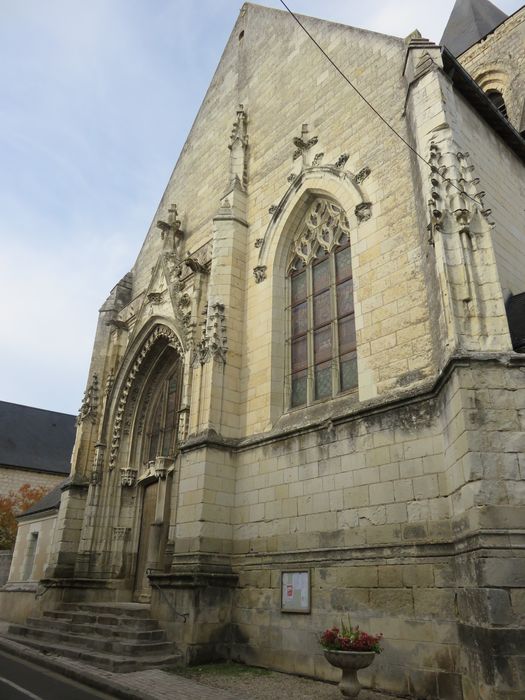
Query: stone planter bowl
(349, 662)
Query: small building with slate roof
(34, 538)
(35, 446)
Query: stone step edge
(62, 650)
(98, 629)
(119, 620)
(140, 646)
(87, 675)
(137, 613)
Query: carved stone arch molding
(324, 182)
(148, 346)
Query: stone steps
(76, 627)
(115, 637)
(88, 618)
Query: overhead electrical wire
(345, 77)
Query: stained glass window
(322, 340)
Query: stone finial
(238, 149)
(170, 230)
(413, 36)
(303, 144)
(214, 341)
(89, 406)
(422, 56)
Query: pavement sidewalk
(152, 684)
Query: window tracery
(322, 338)
(161, 431)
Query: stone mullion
(336, 387)
(310, 372)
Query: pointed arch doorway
(156, 450)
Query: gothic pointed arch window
(322, 336)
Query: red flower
(350, 639)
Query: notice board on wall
(295, 591)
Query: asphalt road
(21, 680)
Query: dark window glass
(299, 354)
(300, 319)
(348, 371)
(298, 287)
(345, 298)
(321, 276)
(323, 381)
(323, 344)
(322, 311)
(343, 263)
(299, 388)
(497, 100)
(346, 334)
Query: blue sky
(96, 100)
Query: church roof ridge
(469, 22)
(300, 15)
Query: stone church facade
(309, 370)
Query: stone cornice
(426, 390)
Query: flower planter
(349, 662)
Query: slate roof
(33, 438)
(50, 501)
(470, 21)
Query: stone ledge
(348, 409)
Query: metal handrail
(167, 600)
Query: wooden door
(149, 502)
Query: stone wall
(12, 478)
(384, 506)
(498, 62)
(504, 194)
(400, 512)
(43, 528)
(5, 564)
